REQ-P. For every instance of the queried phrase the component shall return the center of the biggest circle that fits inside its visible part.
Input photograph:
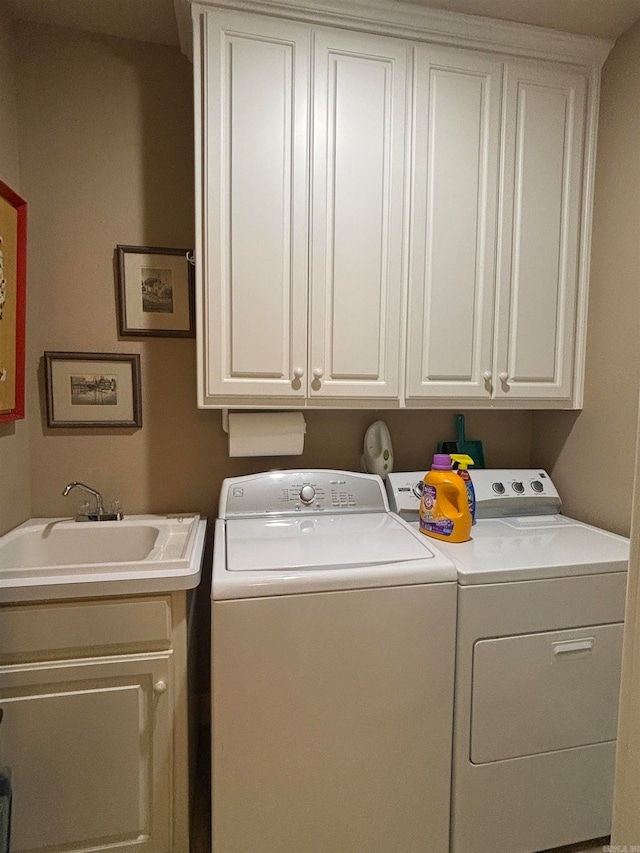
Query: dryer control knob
(498, 488)
(307, 494)
(537, 486)
(517, 487)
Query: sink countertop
(58, 558)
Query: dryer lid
(536, 547)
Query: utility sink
(48, 558)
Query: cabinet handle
(318, 373)
(504, 376)
(160, 687)
(487, 376)
(298, 373)
(1, 714)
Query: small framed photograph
(92, 389)
(155, 292)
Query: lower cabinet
(97, 743)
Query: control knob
(307, 494)
(498, 488)
(517, 487)
(537, 486)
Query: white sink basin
(59, 558)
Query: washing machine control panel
(301, 492)
(499, 492)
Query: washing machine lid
(536, 547)
(287, 555)
(333, 541)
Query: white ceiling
(154, 20)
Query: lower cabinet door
(89, 748)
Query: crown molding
(404, 20)
(182, 12)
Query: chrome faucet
(100, 513)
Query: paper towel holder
(225, 420)
(274, 433)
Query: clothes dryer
(539, 642)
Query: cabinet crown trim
(391, 17)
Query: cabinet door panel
(543, 142)
(359, 139)
(255, 236)
(457, 119)
(87, 744)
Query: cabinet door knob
(318, 373)
(160, 687)
(298, 372)
(503, 376)
(487, 376)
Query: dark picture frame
(156, 292)
(93, 389)
(13, 286)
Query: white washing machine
(540, 615)
(333, 643)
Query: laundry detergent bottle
(444, 506)
(463, 461)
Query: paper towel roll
(268, 434)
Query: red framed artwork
(13, 279)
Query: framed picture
(92, 389)
(13, 255)
(155, 292)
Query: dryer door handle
(584, 644)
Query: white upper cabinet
(253, 249)
(358, 177)
(390, 220)
(542, 151)
(478, 329)
(257, 291)
(455, 198)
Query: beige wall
(15, 494)
(623, 94)
(106, 152)
(591, 455)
